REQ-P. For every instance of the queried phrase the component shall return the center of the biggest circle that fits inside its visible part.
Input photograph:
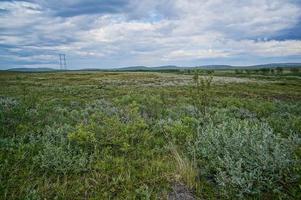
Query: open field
(146, 135)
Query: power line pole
(60, 55)
(63, 63)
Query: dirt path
(180, 192)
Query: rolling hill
(165, 68)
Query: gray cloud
(147, 32)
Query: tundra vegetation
(133, 135)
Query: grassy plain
(135, 135)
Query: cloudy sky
(116, 33)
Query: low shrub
(82, 136)
(57, 154)
(245, 156)
(179, 131)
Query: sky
(119, 33)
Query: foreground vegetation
(133, 135)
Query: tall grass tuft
(185, 168)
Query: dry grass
(186, 170)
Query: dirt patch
(180, 192)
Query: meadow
(150, 135)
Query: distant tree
(187, 71)
(279, 70)
(210, 72)
(294, 70)
(237, 71)
(272, 71)
(264, 70)
(256, 71)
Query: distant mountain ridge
(164, 68)
(213, 67)
(40, 69)
(272, 65)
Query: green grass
(133, 135)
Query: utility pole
(60, 61)
(63, 63)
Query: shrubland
(78, 138)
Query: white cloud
(195, 54)
(271, 48)
(155, 31)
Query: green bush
(82, 136)
(57, 154)
(178, 131)
(11, 115)
(245, 156)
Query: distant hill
(132, 68)
(31, 69)
(216, 67)
(166, 68)
(207, 67)
(274, 65)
